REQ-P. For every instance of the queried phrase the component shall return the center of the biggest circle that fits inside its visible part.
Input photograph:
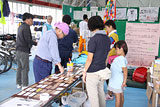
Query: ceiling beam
(88, 3)
(119, 3)
(99, 5)
(48, 0)
(150, 3)
(61, 2)
(141, 2)
(81, 3)
(73, 2)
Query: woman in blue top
(119, 70)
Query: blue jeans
(41, 69)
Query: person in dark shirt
(98, 48)
(24, 43)
(65, 45)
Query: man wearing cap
(65, 45)
(48, 53)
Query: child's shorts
(115, 90)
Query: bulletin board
(120, 24)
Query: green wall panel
(121, 27)
(120, 24)
(68, 10)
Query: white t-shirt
(84, 32)
(116, 79)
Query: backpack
(140, 74)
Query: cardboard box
(157, 86)
(156, 70)
(148, 77)
(149, 93)
(152, 91)
(154, 100)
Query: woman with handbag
(98, 48)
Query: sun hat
(63, 26)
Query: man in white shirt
(84, 31)
(83, 25)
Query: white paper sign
(78, 15)
(132, 14)
(94, 9)
(88, 13)
(121, 13)
(148, 14)
(21, 102)
(101, 13)
(84, 9)
(94, 13)
(143, 43)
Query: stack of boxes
(153, 85)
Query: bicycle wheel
(8, 59)
(3, 64)
(12, 52)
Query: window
(17, 9)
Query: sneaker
(108, 97)
(24, 87)
(18, 86)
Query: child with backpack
(119, 70)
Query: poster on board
(88, 13)
(121, 13)
(132, 14)
(84, 9)
(148, 14)
(94, 9)
(142, 46)
(101, 14)
(78, 15)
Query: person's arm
(125, 73)
(28, 36)
(88, 63)
(61, 69)
(91, 51)
(107, 59)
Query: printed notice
(121, 13)
(143, 43)
(148, 14)
(132, 14)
